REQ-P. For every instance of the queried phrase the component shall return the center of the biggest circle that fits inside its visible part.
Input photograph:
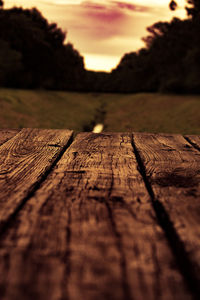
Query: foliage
(33, 54)
(41, 58)
(170, 62)
(194, 8)
(10, 64)
(173, 5)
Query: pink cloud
(103, 20)
(106, 16)
(111, 18)
(102, 13)
(93, 5)
(131, 7)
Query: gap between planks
(27, 157)
(161, 213)
(121, 207)
(193, 140)
(178, 241)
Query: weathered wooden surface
(7, 134)
(172, 169)
(115, 217)
(194, 140)
(24, 160)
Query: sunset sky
(103, 31)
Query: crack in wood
(119, 245)
(4, 225)
(67, 259)
(81, 235)
(54, 145)
(191, 143)
(118, 238)
(75, 171)
(185, 265)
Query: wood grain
(24, 160)
(90, 232)
(172, 169)
(7, 134)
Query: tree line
(170, 60)
(33, 54)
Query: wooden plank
(23, 162)
(90, 232)
(194, 140)
(172, 169)
(7, 134)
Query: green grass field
(119, 112)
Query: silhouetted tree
(192, 8)
(1, 4)
(46, 60)
(10, 65)
(172, 5)
(33, 54)
(170, 61)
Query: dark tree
(169, 63)
(10, 65)
(192, 8)
(173, 5)
(46, 61)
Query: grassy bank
(46, 109)
(154, 113)
(139, 112)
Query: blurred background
(128, 65)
